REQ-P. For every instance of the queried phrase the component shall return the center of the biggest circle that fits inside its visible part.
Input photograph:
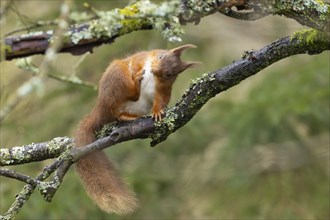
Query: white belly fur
(145, 102)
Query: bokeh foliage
(259, 150)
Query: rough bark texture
(83, 38)
(198, 94)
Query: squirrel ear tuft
(179, 50)
(192, 64)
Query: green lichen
(56, 145)
(106, 130)
(133, 17)
(316, 41)
(5, 157)
(130, 11)
(310, 36)
(194, 10)
(304, 6)
(21, 153)
(6, 48)
(175, 117)
(164, 127)
(46, 187)
(20, 199)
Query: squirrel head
(168, 64)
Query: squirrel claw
(157, 115)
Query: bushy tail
(99, 176)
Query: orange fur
(120, 98)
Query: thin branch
(25, 90)
(33, 26)
(18, 176)
(27, 191)
(72, 79)
(4, 7)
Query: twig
(18, 176)
(30, 27)
(25, 90)
(27, 191)
(72, 79)
(4, 7)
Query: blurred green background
(257, 151)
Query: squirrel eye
(160, 57)
(168, 75)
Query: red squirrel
(128, 89)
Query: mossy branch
(311, 13)
(167, 17)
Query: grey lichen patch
(46, 188)
(184, 110)
(15, 154)
(165, 127)
(202, 89)
(197, 82)
(37, 34)
(303, 6)
(133, 17)
(195, 9)
(169, 120)
(106, 130)
(5, 157)
(35, 152)
(60, 145)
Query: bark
(198, 94)
(83, 38)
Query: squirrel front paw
(157, 115)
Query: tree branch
(28, 189)
(18, 176)
(198, 94)
(163, 17)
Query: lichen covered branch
(198, 94)
(34, 152)
(311, 13)
(166, 17)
